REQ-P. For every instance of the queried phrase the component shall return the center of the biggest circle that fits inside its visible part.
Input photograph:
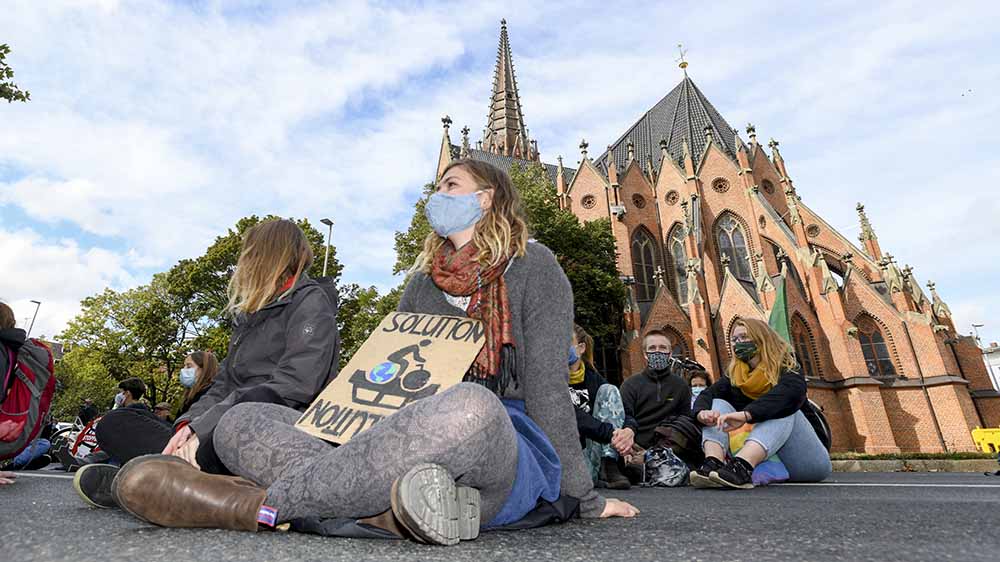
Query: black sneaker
(93, 484)
(66, 458)
(612, 476)
(736, 474)
(701, 478)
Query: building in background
(708, 225)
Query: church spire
(867, 236)
(505, 131)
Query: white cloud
(155, 126)
(58, 273)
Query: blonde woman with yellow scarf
(764, 387)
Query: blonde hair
(775, 353)
(273, 252)
(502, 228)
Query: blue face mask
(573, 355)
(449, 214)
(188, 376)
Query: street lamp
(329, 235)
(38, 305)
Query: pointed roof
(505, 120)
(683, 114)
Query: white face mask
(188, 376)
(696, 390)
(119, 399)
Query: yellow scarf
(576, 377)
(753, 384)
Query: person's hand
(618, 508)
(731, 421)
(177, 440)
(636, 457)
(708, 417)
(189, 450)
(622, 440)
(10, 430)
(7, 478)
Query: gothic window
(678, 262)
(802, 342)
(875, 348)
(733, 245)
(644, 265)
(768, 186)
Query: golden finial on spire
(681, 62)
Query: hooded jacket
(651, 398)
(290, 347)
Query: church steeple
(505, 132)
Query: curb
(917, 465)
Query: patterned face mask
(658, 360)
(744, 350)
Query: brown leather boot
(167, 491)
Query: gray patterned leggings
(466, 429)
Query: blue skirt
(539, 473)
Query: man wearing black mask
(657, 393)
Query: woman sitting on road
(600, 415)
(765, 388)
(197, 375)
(284, 349)
(485, 452)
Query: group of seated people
(504, 449)
(763, 386)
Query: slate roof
(505, 163)
(682, 114)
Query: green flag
(779, 314)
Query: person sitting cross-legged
(764, 387)
(600, 415)
(656, 394)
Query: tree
(147, 331)
(8, 89)
(409, 243)
(203, 281)
(361, 310)
(586, 252)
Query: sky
(154, 126)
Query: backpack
(814, 413)
(682, 435)
(26, 394)
(664, 469)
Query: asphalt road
(897, 516)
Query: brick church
(709, 226)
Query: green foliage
(146, 332)
(203, 281)
(411, 242)
(586, 252)
(361, 310)
(8, 89)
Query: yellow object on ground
(988, 440)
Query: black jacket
(651, 398)
(290, 348)
(786, 398)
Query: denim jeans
(792, 438)
(608, 408)
(35, 449)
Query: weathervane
(682, 63)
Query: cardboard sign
(408, 357)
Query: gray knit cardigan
(541, 302)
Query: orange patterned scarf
(459, 273)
